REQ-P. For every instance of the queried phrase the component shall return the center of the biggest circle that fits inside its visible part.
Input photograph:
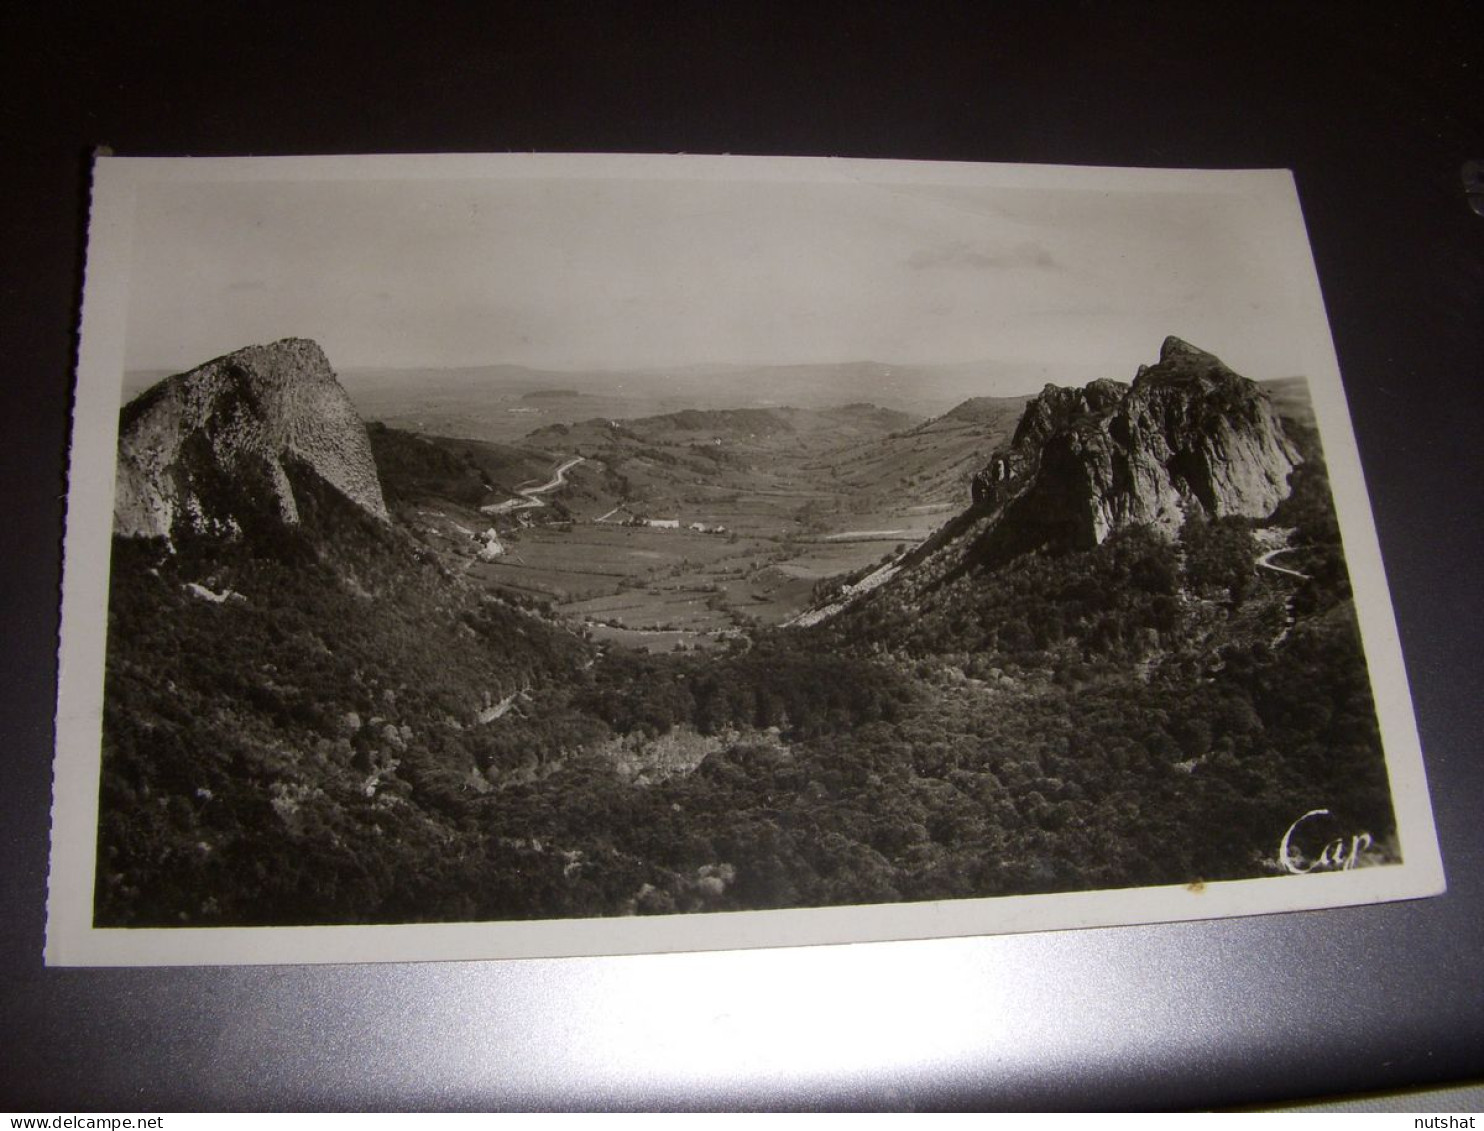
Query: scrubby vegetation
(321, 724)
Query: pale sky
(592, 274)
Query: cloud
(248, 285)
(958, 255)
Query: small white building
(490, 546)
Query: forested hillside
(325, 721)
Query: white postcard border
(71, 938)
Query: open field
(790, 500)
(639, 586)
(594, 516)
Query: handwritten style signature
(1338, 855)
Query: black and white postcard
(522, 555)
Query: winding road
(1277, 542)
(1266, 562)
(531, 496)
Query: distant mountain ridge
(983, 410)
(199, 447)
(785, 418)
(1290, 396)
(934, 459)
(476, 402)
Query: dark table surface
(1375, 109)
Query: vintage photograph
(501, 556)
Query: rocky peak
(1188, 434)
(195, 446)
(1177, 352)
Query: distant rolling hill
(697, 454)
(740, 424)
(472, 473)
(932, 461)
(1290, 396)
(504, 402)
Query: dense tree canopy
(321, 725)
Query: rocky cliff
(1187, 434)
(197, 447)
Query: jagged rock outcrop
(1188, 433)
(194, 446)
